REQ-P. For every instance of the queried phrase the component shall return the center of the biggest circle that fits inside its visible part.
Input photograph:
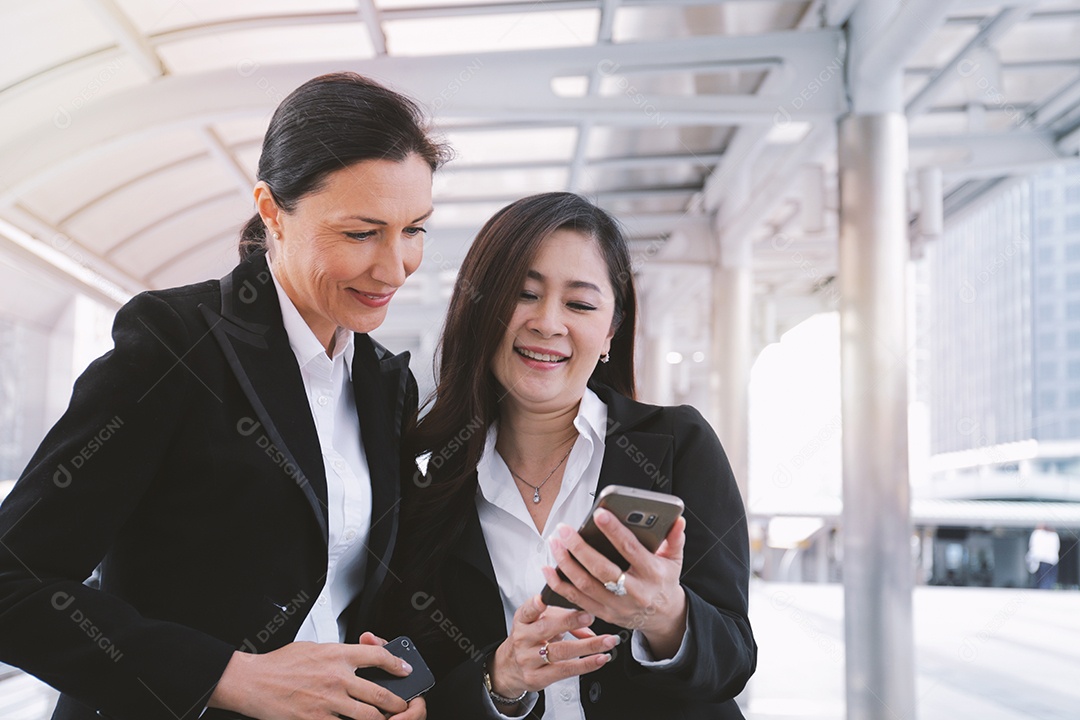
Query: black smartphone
(649, 515)
(418, 682)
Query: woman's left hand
(654, 603)
(417, 706)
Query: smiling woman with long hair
(534, 414)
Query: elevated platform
(986, 653)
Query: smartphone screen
(418, 682)
(649, 515)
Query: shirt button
(566, 696)
(323, 400)
(322, 600)
(540, 547)
(350, 535)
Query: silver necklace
(536, 488)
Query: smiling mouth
(542, 357)
(373, 300)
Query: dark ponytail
(252, 237)
(328, 123)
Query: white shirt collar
(592, 416)
(302, 340)
(492, 470)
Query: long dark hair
(466, 397)
(328, 123)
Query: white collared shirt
(328, 384)
(518, 551)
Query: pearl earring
(605, 357)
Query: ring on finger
(618, 587)
(544, 654)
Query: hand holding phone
(418, 682)
(648, 515)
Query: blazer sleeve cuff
(639, 649)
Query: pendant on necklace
(536, 495)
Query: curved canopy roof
(130, 129)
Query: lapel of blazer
(471, 548)
(380, 381)
(633, 456)
(249, 329)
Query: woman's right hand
(312, 681)
(518, 665)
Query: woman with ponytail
(229, 472)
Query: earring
(276, 236)
(605, 357)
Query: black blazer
(663, 449)
(186, 470)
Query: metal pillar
(878, 573)
(732, 295)
(661, 387)
(654, 372)
(877, 523)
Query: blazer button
(594, 692)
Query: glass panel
(487, 146)
(157, 16)
(35, 38)
(245, 49)
(510, 183)
(486, 33)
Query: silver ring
(618, 587)
(544, 654)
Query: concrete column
(877, 523)
(732, 296)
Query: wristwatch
(496, 697)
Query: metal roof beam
(730, 173)
(768, 193)
(75, 268)
(370, 15)
(516, 87)
(1069, 143)
(220, 152)
(431, 12)
(837, 12)
(1058, 105)
(581, 146)
(128, 36)
(989, 154)
(703, 160)
(599, 196)
(628, 162)
(907, 31)
(1001, 23)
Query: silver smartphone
(649, 515)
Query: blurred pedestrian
(1044, 548)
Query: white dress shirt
(328, 384)
(518, 550)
